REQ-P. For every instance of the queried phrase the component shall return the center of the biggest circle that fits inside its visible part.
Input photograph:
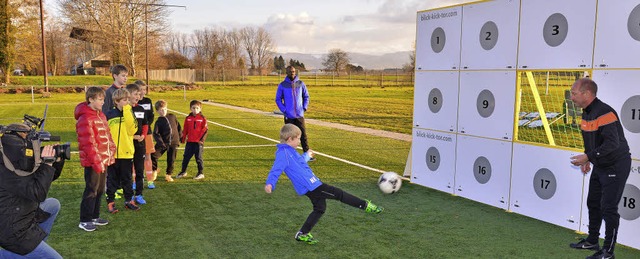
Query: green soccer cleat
(372, 208)
(307, 238)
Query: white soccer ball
(389, 182)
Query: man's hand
(48, 154)
(267, 188)
(139, 138)
(585, 168)
(579, 160)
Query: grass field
(228, 215)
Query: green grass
(228, 215)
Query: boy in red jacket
(194, 133)
(96, 153)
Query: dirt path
(374, 132)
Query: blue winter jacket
(295, 167)
(292, 98)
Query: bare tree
(249, 42)
(57, 46)
(336, 60)
(259, 46)
(178, 42)
(117, 26)
(208, 47)
(234, 42)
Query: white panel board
(617, 34)
(545, 185)
(490, 41)
(435, 100)
(486, 103)
(438, 35)
(556, 35)
(433, 158)
(619, 89)
(628, 208)
(483, 170)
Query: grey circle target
(438, 39)
(630, 114)
(544, 183)
(482, 170)
(628, 206)
(435, 100)
(633, 24)
(488, 35)
(555, 29)
(486, 103)
(433, 158)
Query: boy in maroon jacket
(96, 153)
(194, 133)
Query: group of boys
(116, 147)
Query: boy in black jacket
(166, 133)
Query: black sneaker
(131, 205)
(602, 254)
(584, 244)
(100, 221)
(87, 226)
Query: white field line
(277, 141)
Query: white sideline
(276, 141)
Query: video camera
(30, 126)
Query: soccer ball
(389, 182)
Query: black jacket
(604, 141)
(167, 132)
(20, 198)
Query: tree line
(123, 32)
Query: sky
(315, 26)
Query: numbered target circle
(488, 35)
(628, 206)
(630, 114)
(433, 158)
(555, 29)
(486, 103)
(438, 39)
(544, 183)
(435, 100)
(482, 170)
(633, 24)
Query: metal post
(146, 49)
(44, 50)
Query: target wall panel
(438, 35)
(483, 170)
(556, 34)
(435, 101)
(545, 186)
(434, 157)
(490, 41)
(628, 208)
(617, 34)
(486, 104)
(621, 90)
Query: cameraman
(26, 214)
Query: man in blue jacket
(292, 99)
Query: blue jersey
(295, 166)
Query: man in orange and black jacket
(607, 149)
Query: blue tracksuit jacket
(295, 167)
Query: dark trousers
(93, 192)
(605, 190)
(171, 158)
(319, 198)
(138, 165)
(193, 149)
(119, 175)
(303, 138)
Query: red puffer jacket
(94, 140)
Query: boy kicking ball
(289, 161)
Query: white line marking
(276, 141)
